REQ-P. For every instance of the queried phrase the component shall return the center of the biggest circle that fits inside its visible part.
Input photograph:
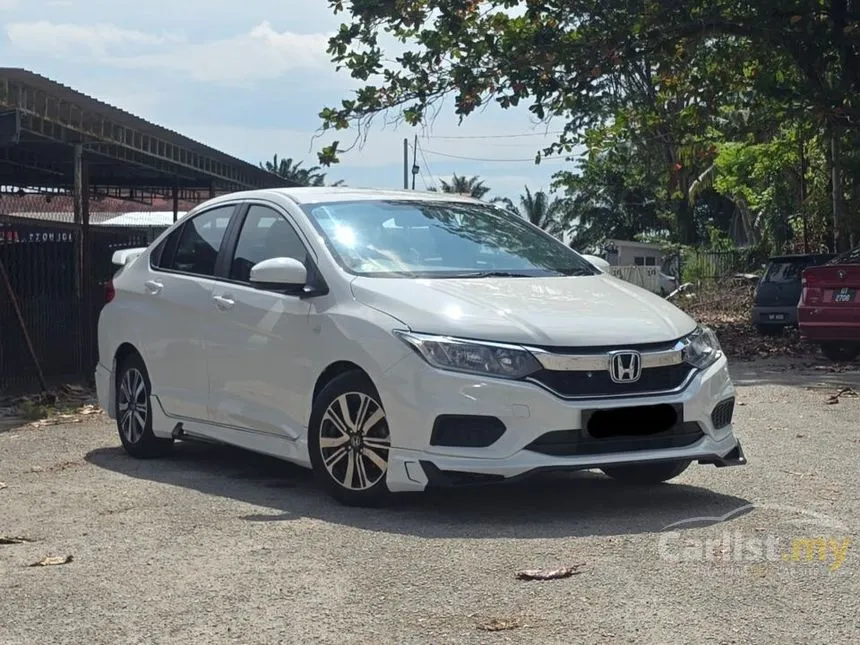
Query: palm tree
(540, 210)
(467, 186)
(294, 173)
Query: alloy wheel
(354, 441)
(132, 405)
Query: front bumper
(438, 478)
(418, 394)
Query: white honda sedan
(394, 341)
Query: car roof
(319, 194)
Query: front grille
(723, 412)
(570, 443)
(598, 383)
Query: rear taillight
(110, 291)
(810, 293)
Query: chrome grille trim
(600, 362)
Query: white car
(396, 340)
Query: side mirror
(600, 263)
(279, 272)
(126, 256)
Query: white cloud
(263, 53)
(5, 5)
(68, 39)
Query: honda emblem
(625, 366)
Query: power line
(445, 154)
(427, 166)
(498, 136)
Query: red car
(829, 310)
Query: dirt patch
(727, 309)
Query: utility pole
(414, 161)
(405, 163)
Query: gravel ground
(214, 545)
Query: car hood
(555, 311)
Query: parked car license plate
(844, 295)
(776, 316)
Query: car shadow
(548, 505)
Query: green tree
(672, 77)
(616, 193)
(473, 186)
(293, 172)
(548, 213)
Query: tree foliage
(472, 186)
(541, 209)
(681, 104)
(294, 173)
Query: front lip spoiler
(735, 457)
(437, 478)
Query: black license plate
(844, 295)
(776, 316)
(632, 421)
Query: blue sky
(250, 78)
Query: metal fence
(713, 266)
(51, 293)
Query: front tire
(134, 411)
(647, 473)
(349, 441)
(840, 352)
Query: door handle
(153, 287)
(223, 302)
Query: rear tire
(647, 473)
(840, 352)
(134, 411)
(349, 441)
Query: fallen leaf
(52, 561)
(10, 539)
(799, 436)
(3, 485)
(549, 574)
(499, 624)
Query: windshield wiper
(490, 274)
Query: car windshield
(438, 239)
(784, 272)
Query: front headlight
(701, 348)
(472, 357)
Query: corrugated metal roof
(116, 114)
